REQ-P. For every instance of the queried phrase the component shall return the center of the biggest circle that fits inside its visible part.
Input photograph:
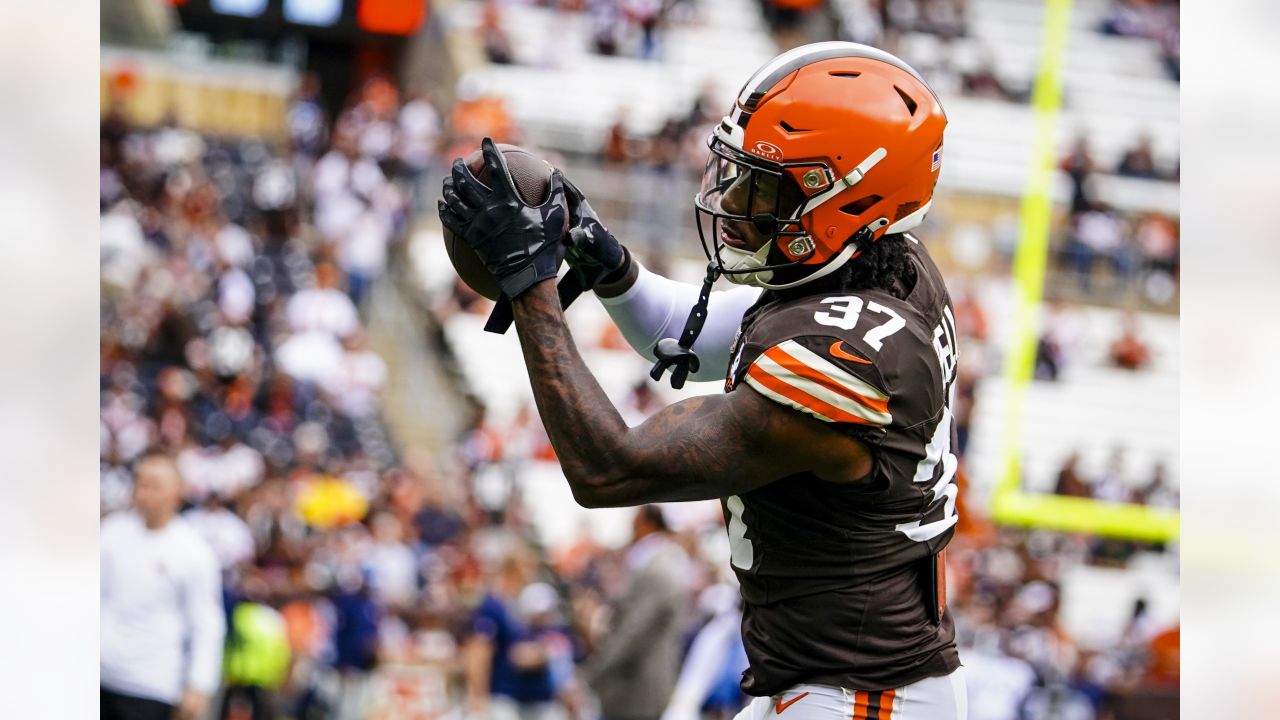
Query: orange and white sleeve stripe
(797, 377)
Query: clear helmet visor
(747, 192)
(746, 207)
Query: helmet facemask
(743, 200)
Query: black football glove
(519, 244)
(594, 255)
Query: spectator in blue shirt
(506, 666)
(355, 642)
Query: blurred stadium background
(277, 309)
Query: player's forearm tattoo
(574, 409)
(675, 455)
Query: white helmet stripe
(730, 132)
(787, 58)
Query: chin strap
(679, 355)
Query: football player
(831, 447)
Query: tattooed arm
(693, 450)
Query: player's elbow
(598, 489)
(589, 502)
(594, 501)
(587, 494)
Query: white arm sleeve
(656, 307)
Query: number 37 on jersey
(938, 466)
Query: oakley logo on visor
(768, 151)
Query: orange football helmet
(829, 147)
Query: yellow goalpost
(1010, 503)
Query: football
(532, 177)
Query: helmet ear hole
(859, 206)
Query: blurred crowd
(934, 36)
(359, 579)
(233, 273)
(1058, 345)
(635, 28)
(1110, 486)
(619, 28)
(1005, 588)
(1155, 20)
(1141, 248)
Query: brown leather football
(532, 177)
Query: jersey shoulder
(858, 358)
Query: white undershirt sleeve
(656, 307)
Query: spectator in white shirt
(418, 138)
(323, 308)
(314, 357)
(124, 251)
(419, 132)
(225, 469)
(390, 564)
(362, 251)
(355, 389)
(1099, 233)
(162, 618)
(233, 245)
(236, 296)
(344, 169)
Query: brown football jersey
(841, 582)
